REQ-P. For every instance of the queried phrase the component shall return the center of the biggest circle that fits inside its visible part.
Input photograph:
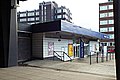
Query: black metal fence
(100, 57)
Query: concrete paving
(32, 73)
(105, 69)
(57, 70)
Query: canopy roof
(64, 26)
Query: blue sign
(81, 49)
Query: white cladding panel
(58, 45)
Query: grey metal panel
(37, 45)
(116, 4)
(24, 27)
(24, 48)
(4, 31)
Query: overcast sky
(85, 13)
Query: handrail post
(63, 56)
(53, 55)
(68, 56)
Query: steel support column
(116, 4)
(8, 33)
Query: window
(22, 20)
(32, 23)
(110, 0)
(65, 10)
(59, 16)
(65, 16)
(110, 14)
(45, 12)
(111, 29)
(103, 22)
(37, 13)
(111, 36)
(37, 22)
(30, 13)
(42, 7)
(103, 15)
(103, 44)
(31, 19)
(45, 18)
(111, 21)
(59, 11)
(37, 18)
(110, 6)
(103, 7)
(23, 15)
(103, 29)
(111, 44)
(42, 18)
(45, 7)
(42, 13)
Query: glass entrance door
(76, 50)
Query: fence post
(102, 56)
(90, 59)
(97, 57)
(107, 57)
(110, 56)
